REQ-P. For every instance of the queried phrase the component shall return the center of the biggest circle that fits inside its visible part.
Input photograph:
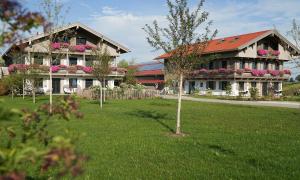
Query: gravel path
(286, 104)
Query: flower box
(72, 69)
(257, 73)
(274, 72)
(240, 71)
(90, 47)
(203, 71)
(55, 46)
(287, 71)
(262, 52)
(222, 70)
(77, 48)
(55, 69)
(247, 69)
(88, 69)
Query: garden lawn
(133, 140)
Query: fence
(123, 94)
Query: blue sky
(122, 20)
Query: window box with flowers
(240, 71)
(262, 52)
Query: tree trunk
(12, 93)
(100, 97)
(178, 131)
(33, 96)
(50, 87)
(104, 99)
(23, 89)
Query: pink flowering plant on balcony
(256, 72)
(65, 45)
(78, 48)
(62, 66)
(262, 52)
(240, 71)
(88, 69)
(90, 47)
(55, 69)
(79, 67)
(203, 71)
(287, 71)
(55, 45)
(275, 53)
(222, 70)
(274, 72)
(247, 69)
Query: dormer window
(80, 41)
(265, 46)
(242, 64)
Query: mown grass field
(131, 140)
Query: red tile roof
(150, 81)
(149, 72)
(226, 44)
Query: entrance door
(191, 87)
(56, 86)
(265, 89)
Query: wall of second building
(202, 87)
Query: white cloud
(126, 28)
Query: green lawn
(131, 140)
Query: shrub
(254, 93)
(3, 89)
(228, 89)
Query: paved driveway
(294, 105)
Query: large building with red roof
(241, 62)
(150, 74)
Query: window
(38, 60)
(80, 40)
(224, 64)
(223, 85)
(253, 84)
(88, 83)
(276, 86)
(55, 61)
(277, 66)
(211, 65)
(88, 62)
(241, 86)
(242, 65)
(201, 84)
(73, 83)
(265, 46)
(212, 85)
(254, 65)
(72, 61)
(266, 65)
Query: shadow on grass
(220, 149)
(156, 116)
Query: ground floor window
(88, 83)
(223, 85)
(241, 86)
(212, 85)
(73, 82)
(201, 84)
(253, 84)
(276, 86)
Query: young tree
(181, 40)
(14, 83)
(295, 35)
(101, 68)
(54, 13)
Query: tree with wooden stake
(101, 68)
(295, 35)
(54, 13)
(183, 42)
